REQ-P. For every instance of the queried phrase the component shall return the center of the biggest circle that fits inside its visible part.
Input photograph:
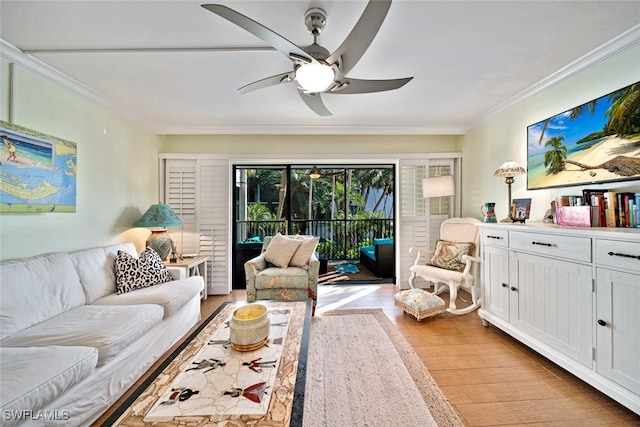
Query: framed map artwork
(37, 172)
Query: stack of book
(613, 209)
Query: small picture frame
(520, 209)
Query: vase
(488, 212)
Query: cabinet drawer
(614, 253)
(574, 248)
(495, 237)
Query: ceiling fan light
(315, 77)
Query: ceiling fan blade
(360, 37)
(272, 38)
(367, 86)
(314, 101)
(269, 81)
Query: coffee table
(163, 398)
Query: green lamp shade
(159, 216)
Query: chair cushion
(303, 254)
(292, 278)
(136, 273)
(419, 303)
(281, 250)
(448, 255)
(31, 377)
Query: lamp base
(160, 241)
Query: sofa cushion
(108, 328)
(136, 273)
(303, 254)
(448, 255)
(36, 289)
(172, 296)
(369, 251)
(96, 268)
(31, 377)
(281, 250)
(292, 277)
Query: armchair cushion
(280, 250)
(448, 255)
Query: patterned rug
(207, 382)
(346, 267)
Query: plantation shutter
(198, 191)
(420, 218)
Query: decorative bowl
(249, 327)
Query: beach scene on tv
(595, 142)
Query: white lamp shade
(438, 186)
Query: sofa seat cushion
(31, 377)
(110, 329)
(172, 296)
(290, 278)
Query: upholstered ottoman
(419, 303)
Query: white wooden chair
(451, 257)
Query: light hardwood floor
(489, 378)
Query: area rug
(362, 372)
(346, 267)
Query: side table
(194, 266)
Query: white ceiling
(469, 59)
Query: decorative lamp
(314, 173)
(509, 170)
(438, 186)
(157, 218)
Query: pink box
(574, 216)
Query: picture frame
(520, 210)
(39, 171)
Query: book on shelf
(606, 208)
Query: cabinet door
(552, 301)
(496, 281)
(617, 331)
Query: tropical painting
(595, 142)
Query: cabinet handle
(602, 322)
(494, 237)
(541, 244)
(504, 285)
(513, 288)
(625, 255)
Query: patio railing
(340, 239)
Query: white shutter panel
(214, 198)
(180, 194)
(420, 219)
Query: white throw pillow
(303, 254)
(281, 250)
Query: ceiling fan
(315, 69)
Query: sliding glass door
(347, 206)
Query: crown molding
(266, 129)
(612, 48)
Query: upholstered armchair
(286, 270)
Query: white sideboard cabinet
(573, 295)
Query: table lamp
(509, 170)
(157, 218)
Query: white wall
(117, 170)
(485, 148)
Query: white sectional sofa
(70, 346)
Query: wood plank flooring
(489, 378)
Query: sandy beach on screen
(606, 150)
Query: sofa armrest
(177, 273)
(384, 260)
(251, 268)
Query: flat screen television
(593, 143)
